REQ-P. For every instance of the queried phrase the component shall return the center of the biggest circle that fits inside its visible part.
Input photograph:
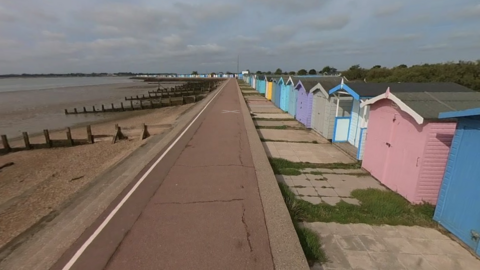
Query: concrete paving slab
(307, 191)
(292, 136)
(331, 200)
(312, 200)
(302, 183)
(293, 124)
(271, 110)
(363, 246)
(321, 153)
(273, 116)
(326, 192)
(320, 184)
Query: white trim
(404, 107)
(319, 87)
(338, 105)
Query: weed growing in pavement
(376, 207)
(283, 163)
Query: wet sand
(35, 110)
(41, 181)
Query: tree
(268, 72)
(258, 72)
(402, 66)
(278, 71)
(376, 66)
(285, 73)
(302, 72)
(312, 72)
(326, 69)
(292, 73)
(194, 73)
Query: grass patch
(287, 171)
(283, 163)
(377, 207)
(311, 245)
(273, 119)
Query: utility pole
(238, 64)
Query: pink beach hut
(407, 145)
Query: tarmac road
(196, 206)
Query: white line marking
(115, 210)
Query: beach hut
(285, 94)
(278, 92)
(458, 201)
(349, 131)
(261, 84)
(324, 107)
(292, 101)
(268, 88)
(305, 100)
(407, 145)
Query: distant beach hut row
(421, 140)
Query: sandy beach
(42, 180)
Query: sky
(62, 36)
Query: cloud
(334, 22)
(173, 36)
(52, 35)
(468, 13)
(434, 47)
(401, 38)
(388, 10)
(292, 6)
(5, 16)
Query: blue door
(458, 208)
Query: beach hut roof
(428, 100)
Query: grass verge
(273, 119)
(280, 163)
(377, 207)
(311, 245)
(268, 140)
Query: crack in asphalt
(246, 228)
(197, 202)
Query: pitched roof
(430, 104)
(364, 89)
(427, 100)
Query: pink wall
(437, 149)
(413, 165)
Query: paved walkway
(207, 213)
(362, 246)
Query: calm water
(35, 104)
(22, 84)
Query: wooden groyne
(141, 132)
(178, 95)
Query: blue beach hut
(292, 101)
(458, 201)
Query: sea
(35, 104)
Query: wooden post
(144, 134)
(123, 109)
(103, 108)
(93, 109)
(66, 112)
(131, 105)
(69, 137)
(75, 110)
(89, 134)
(84, 110)
(48, 142)
(113, 108)
(5, 143)
(28, 146)
(141, 105)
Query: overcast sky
(182, 36)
